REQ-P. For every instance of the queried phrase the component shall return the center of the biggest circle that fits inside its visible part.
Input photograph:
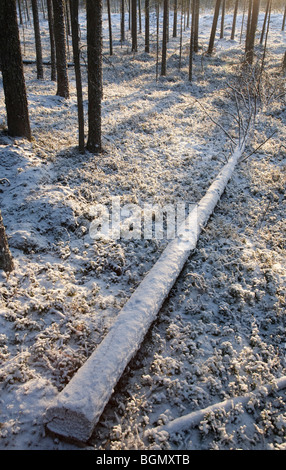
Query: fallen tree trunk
(78, 407)
(193, 419)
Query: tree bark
(164, 41)
(192, 42)
(214, 26)
(147, 26)
(94, 56)
(39, 56)
(6, 261)
(122, 23)
(134, 24)
(175, 19)
(234, 20)
(12, 71)
(249, 52)
(109, 28)
(52, 41)
(196, 25)
(61, 53)
(76, 56)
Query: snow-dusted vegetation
(221, 331)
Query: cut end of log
(70, 425)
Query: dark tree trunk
(109, 28)
(76, 56)
(234, 19)
(284, 64)
(12, 72)
(164, 41)
(192, 42)
(214, 26)
(122, 24)
(61, 53)
(249, 53)
(265, 21)
(39, 56)
(147, 26)
(20, 12)
(6, 261)
(94, 55)
(222, 19)
(196, 25)
(52, 41)
(175, 18)
(134, 24)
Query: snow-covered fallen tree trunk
(78, 406)
(193, 419)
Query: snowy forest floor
(221, 332)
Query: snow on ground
(221, 333)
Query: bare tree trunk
(52, 41)
(196, 25)
(157, 37)
(265, 20)
(284, 64)
(39, 56)
(6, 261)
(234, 19)
(94, 56)
(20, 12)
(147, 26)
(61, 53)
(192, 42)
(214, 26)
(222, 19)
(249, 15)
(12, 72)
(249, 52)
(122, 24)
(164, 41)
(175, 18)
(134, 25)
(109, 28)
(76, 56)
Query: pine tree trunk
(234, 20)
(175, 18)
(122, 24)
(52, 41)
(94, 55)
(147, 26)
(222, 19)
(265, 21)
(249, 53)
(109, 28)
(61, 53)
(192, 42)
(196, 25)
(6, 261)
(76, 56)
(134, 25)
(214, 26)
(284, 19)
(12, 72)
(39, 56)
(164, 41)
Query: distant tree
(222, 19)
(192, 42)
(39, 57)
(196, 24)
(284, 64)
(165, 36)
(52, 40)
(134, 25)
(214, 26)
(234, 19)
(122, 21)
(109, 28)
(76, 57)
(61, 53)
(6, 261)
(175, 19)
(12, 72)
(265, 21)
(147, 26)
(250, 40)
(94, 57)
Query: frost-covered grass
(221, 332)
